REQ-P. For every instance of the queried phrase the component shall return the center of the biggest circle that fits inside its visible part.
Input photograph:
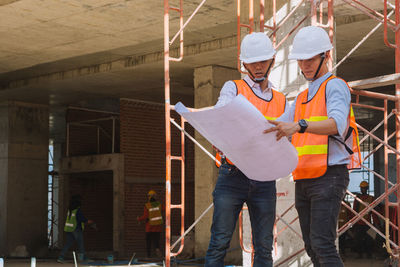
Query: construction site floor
(53, 263)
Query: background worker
(233, 188)
(152, 214)
(74, 226)
(318, 122)
(363, 242)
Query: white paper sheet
(237, 130)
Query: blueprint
(237, 130)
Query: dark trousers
(232, 190)
(342, 243)
(362, 240)
(318, 203)
(152, 242)
(71, 237)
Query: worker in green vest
(152, 214)
(74, 226)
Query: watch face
(303, 126)
(303, 123)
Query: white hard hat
(256, 47)
(309, 42)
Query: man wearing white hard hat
(233, 188)
(323, 130)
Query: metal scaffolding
(317, 14)
(100, 131)
(52, 203)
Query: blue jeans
(71, 237)
(318, 204)
(232, 190)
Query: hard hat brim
(303, 56)
(257, 59)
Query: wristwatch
(303, 125)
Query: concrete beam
(122, 64)
(379, 81)
(6, 2)
(347, 19)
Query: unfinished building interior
(87, 93)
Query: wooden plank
(376, 82)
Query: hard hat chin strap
(318, 69)
(260, 80)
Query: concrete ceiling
(68, 51)
(63, 51)
(36, 32)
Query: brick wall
(142, 141)
(143, 146)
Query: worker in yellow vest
(364, 243)
(74, 226)
(322, 128)
(152, 214)
(233, 188)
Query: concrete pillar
(24, 138)
(208, 82)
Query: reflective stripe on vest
(270, 118)
(313, 149)
(318, 118)
(271, 109)
(355, 160)
(154, 209)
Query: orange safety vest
(312, 149)
(155, 217)
(271, 109)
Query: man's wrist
(297, 126)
